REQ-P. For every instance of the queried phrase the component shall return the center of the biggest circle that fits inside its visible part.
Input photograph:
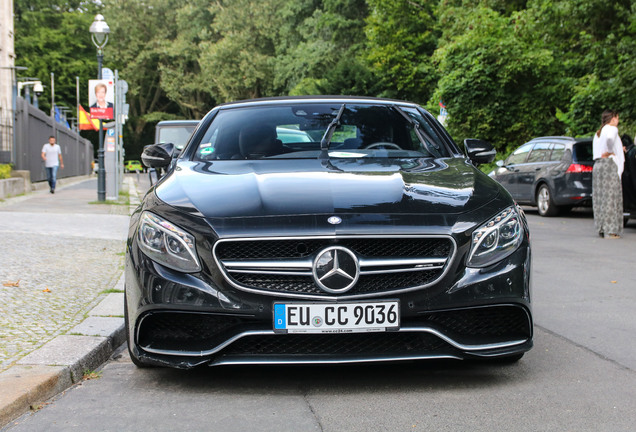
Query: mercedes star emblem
(334, 220)
(336, 269)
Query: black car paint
(151, 286)
(313, 186)
(255, 199)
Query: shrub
(5, 171)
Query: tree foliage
(494, 79)
(52, 37)
(594, 42)
(239, 64)
(507, 70)
(401, 37)
(329, 56)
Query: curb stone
(62, 362)
(64, 181)
(134, 195)
(40, 188)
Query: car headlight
(167, 244)
(496, 239)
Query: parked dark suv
(552, 173)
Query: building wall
(7, 62)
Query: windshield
(295, 131)
(177, 135)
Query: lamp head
(38, 89)
(99, 31)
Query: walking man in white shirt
(52, 157)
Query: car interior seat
(352, 143)
(259, 140)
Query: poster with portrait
(101, 98)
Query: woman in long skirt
(607, 194)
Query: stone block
(11, 187)
(98, 326)
(78, 353)
(25, 387)
(112, 305)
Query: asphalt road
(580, 376)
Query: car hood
(283, 187)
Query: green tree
(594, 42)
(239, 60)
(330, 59)
(401, 38)
(180, 71)
(138, 47)
(495, 80)
(53, 37)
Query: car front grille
(387, 343)
(298, 248)
(371, 284)
(180, 332)
(487, 322)
(284, 266)
(189, 331)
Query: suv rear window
(582, 152)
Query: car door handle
(537, 169)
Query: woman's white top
(609, 142)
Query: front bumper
(183, 321)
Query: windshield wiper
(421, 135)
(326, 138)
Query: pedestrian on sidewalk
(607, 193)
(52, 157)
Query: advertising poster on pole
(101, 98)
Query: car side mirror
(158, 155)
(479, 151)
(500, 163)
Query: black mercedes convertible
(325, 230)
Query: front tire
(545, 204)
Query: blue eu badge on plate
(279, 316)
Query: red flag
(86, 122)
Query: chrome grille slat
(283, 266)
(303, 267)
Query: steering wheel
(385, 145)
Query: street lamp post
(99, 35)
(26, 84)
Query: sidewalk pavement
(61, 289)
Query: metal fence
(33, 129)
(6, 136)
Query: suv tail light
(579, 168)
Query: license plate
(337, 317)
